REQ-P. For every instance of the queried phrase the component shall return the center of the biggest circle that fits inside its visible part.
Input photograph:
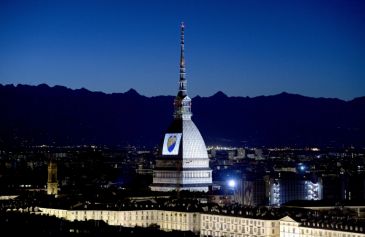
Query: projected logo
(171, 144)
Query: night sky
(243, 48)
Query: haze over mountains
(34, 115)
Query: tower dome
(183, 163)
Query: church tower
(52, 183)
(183, 163)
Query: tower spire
(182, 83)
(182, 101)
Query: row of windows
(327, 233)
(227, 233)
(234, 228)
(235, 220)
(212, 222)
(183, 217)
(185, 175)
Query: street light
(232, 183)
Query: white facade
(219, 225)
(205, 223)
(167, 220)
(291, 228)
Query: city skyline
(280, 152)
(312, 48)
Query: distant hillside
(61, 116)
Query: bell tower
(52, 183)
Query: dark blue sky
(244, 48)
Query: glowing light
(231, 183)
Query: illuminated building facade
(291, 187)
(52, 182)
(211, 224)
(183, 163)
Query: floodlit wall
(167, 220)
(206, 224)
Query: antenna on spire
(182, 82)
(182, 101)
(182, 57)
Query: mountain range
(34, 115)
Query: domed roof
(183, 140)
(192, 141)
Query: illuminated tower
(52, 183)
(183, 163)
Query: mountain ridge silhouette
(33, 115)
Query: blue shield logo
(171, 143)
